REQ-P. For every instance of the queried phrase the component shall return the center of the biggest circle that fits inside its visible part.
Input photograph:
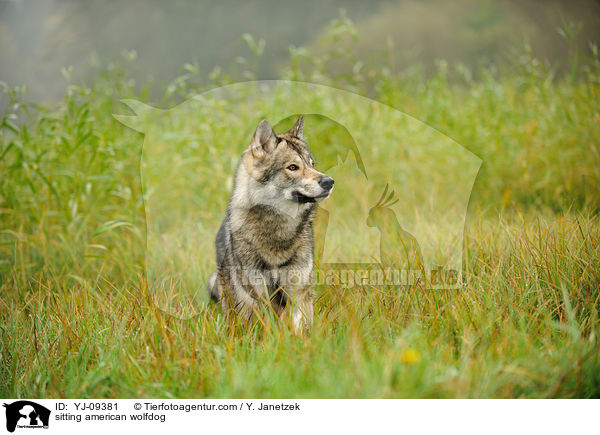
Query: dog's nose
(326, 182)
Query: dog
(265, 243)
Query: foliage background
(76, 319)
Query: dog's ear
(264, 140)
(298, 128)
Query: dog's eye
(293, 167)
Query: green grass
(525, 326)
(77, 320)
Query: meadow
(77, 319)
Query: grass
(77, 319)
(525, 326)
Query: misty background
(38, 38)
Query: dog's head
(282, 167)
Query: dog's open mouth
(301, 198)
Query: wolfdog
(265, 243)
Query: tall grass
(77, 319)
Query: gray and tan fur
(265, 243)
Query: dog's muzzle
(325, 183)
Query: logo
(25, 414)
(395, 219)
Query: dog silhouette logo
(26, 414)
(410, 233)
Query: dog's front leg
(300, 310)
(298, 307)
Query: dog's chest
(274, 237)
